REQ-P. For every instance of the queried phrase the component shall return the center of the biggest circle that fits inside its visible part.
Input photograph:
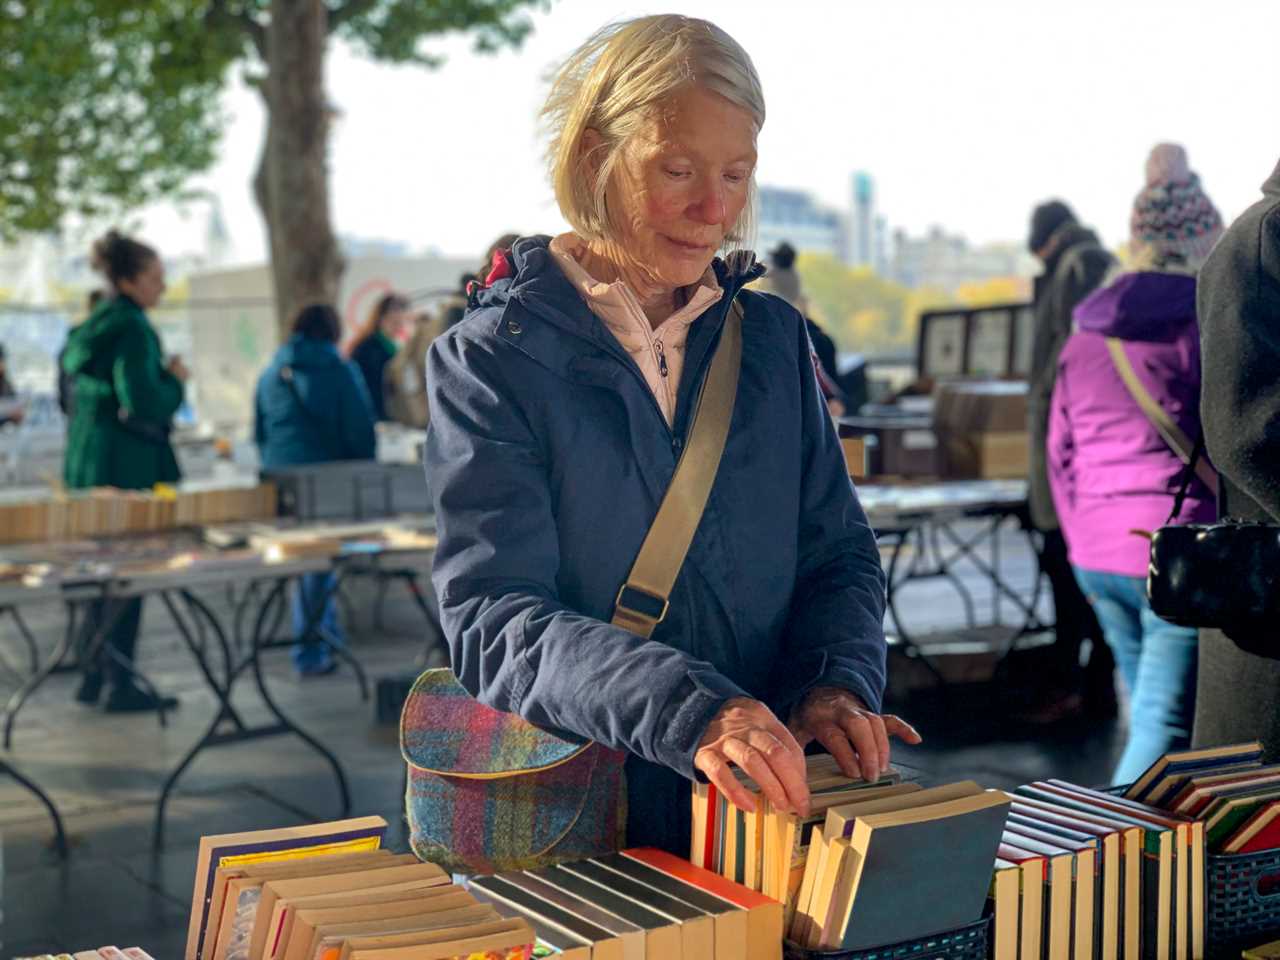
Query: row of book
(1229, 788)
(332, 892)
(1083, 873)
(106, 511)
(102, 953)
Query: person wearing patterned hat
(1110, 469)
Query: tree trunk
(292, 184)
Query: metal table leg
(59, 833)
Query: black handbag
(1223, 575)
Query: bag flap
(445, 730)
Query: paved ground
(105, 773)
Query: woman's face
(681, 185)
(393, 322)
(147, 286)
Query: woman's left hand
(857, 737)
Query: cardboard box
(982, 430)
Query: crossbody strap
(1179, 442)
(643, 600)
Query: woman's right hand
(178, 369)
(747, 734)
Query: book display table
(919, 524)
(173, 570)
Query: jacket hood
(1272, 187)
(532, 277)
(1140, 306)
(95, 336)
(1072, 235)
(307, 353)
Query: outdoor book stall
(1172, 867)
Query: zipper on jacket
(662, 358)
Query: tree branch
(349, 10)
(219, 12)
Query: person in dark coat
(311, 406)
(559, 409)
(1074, 266)
(1239, 308)
(376, 344)
(125, 396)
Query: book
(364, 833)
(1033, 875)
(1131, 840)
(1168, 791)
(334, 941)
(275, 890)
(1061, 902)
(238, 893)
(1203, 760)
(1260, 832)
(1006, 884)
(697, 928)
(1155, 903)
(297, 941)
(629, 934)
(1232, 810)
(919, 871)
(1105, 845)
(242, 882)
(764, 914)
(1189, 840)
(604, 944)
(730, 921)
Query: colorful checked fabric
(490, 792)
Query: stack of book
(765, 849)
(102, 953)
(1228, 788)
(331, 892)
(637, 905)
(106, 511)
(898, 865)
(1084, 873)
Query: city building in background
(796, 217)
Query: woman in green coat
(125, 397)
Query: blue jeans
(310, 653)
(1157, 661)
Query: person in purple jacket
(1110, 470)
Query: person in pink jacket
(1110, 470)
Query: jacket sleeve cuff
(692, 706)
(817, 669)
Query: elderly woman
(559, 409)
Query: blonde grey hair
(614, 82)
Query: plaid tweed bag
(489, 792)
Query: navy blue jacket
(547, 457)
(335, 418)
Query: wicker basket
(966, 943)
(1243, 901)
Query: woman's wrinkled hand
(856, 736)
(745, 733)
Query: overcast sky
(966, 112)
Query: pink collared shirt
(658, 351)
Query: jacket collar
(538, 303)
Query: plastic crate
(1243, 901)
(966, 943)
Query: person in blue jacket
(559, 409)
(311, 406)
